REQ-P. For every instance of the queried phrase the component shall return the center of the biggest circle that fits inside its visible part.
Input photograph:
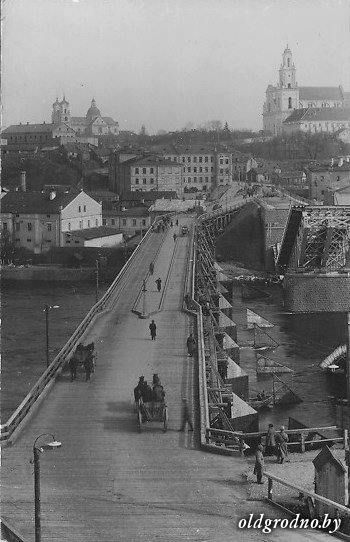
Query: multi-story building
(286, 97)
(38, 221)
(129, 221)
(327, 120)
(63, 129)
(145, 173)
(201, 169)
(323, 178)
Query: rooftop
(320, 93)
(26, 128)
(93, 233)
(149, 161)
(35, 202)
(320, 114)
(133, 212)
(150, 195)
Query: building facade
(129, 221)
(326, 178)
(38, 221)
(285, 97)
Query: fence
(7, 429)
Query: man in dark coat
(159, 284)
(153, 330)
(138, 389)
(186, 416)
(73, 364)
(191, 345)
(271, 440)
(259, 464)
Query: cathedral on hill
(289, 108)
(93, 124)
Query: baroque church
(93, 124)
(290, 108)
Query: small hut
(329, 480)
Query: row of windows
(200, 179)
(84, 209)
(200, 169)
(29, 137)
(113, 222)
(144, 181)
(144, 170)
(81, 224)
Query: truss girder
(322, 239)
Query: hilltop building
(288, 107)
(63, 129)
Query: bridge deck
(109, 483)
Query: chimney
(52, 194)
(23, 181)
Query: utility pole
(46, 309)
(97, 281)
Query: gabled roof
(320, 114)
(149, 161)
(326, 456)
(109, 121)
(93, 233)
(35, 202)
(320, 93)
(25, 128)
(79, 120)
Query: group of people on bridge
(148, 394)
(83, 356)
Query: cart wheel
(139, 417)
(165, 426)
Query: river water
(23, 331)
(302, 342)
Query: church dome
(93, 111)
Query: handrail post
(269, 489)
(302, 442)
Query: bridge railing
(335, 509)
(19, 415)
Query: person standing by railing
(259, 464)
(282, 445)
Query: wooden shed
(329, 480)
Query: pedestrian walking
(73, 364)
(159, 284)
(186, 416)
(191, 345)
(151, 268)
(88, 368)
(174, 236)
(259, 464)
(282, 445)
(153, 330)
(271, 440)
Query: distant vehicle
(184, 230)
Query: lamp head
(51, 445)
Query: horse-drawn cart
(154, 411)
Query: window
(29, 226)
(104, 221)
(143, 170)
(151, 170)
(136, 169)
(88, 223)
(96, 221)
(136, 181)
(143, 222)
(144, 181)
(206, 170)
(29, 240)
(195, 159)
(201, 158)
(194, 179)
(134, 221)
(69, 226)
(221, 171)
(288, 62)
(76, 242)
(188, 159)
(18, 226)
(183, 159)
(189, 170)
(226, 161)
(80, 224)
(68, 241)
(189, 179)
(124, 221)
(113, 222)
(200, 170)
(211, 169)
(49, 226)
(84, 208)
(194, 170)
(200, 179)
(221, 161)
(79, 209)
(4, 226)
(289, 103)
(47, 216)
(212, 158)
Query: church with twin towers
(289, 108)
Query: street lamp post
(47, 308)
(97, 280)
(36, 460)
(144, 290)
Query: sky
(165, 63)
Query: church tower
(287, 70)
(282, 99)
(60, 112)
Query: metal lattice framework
(316, 238)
